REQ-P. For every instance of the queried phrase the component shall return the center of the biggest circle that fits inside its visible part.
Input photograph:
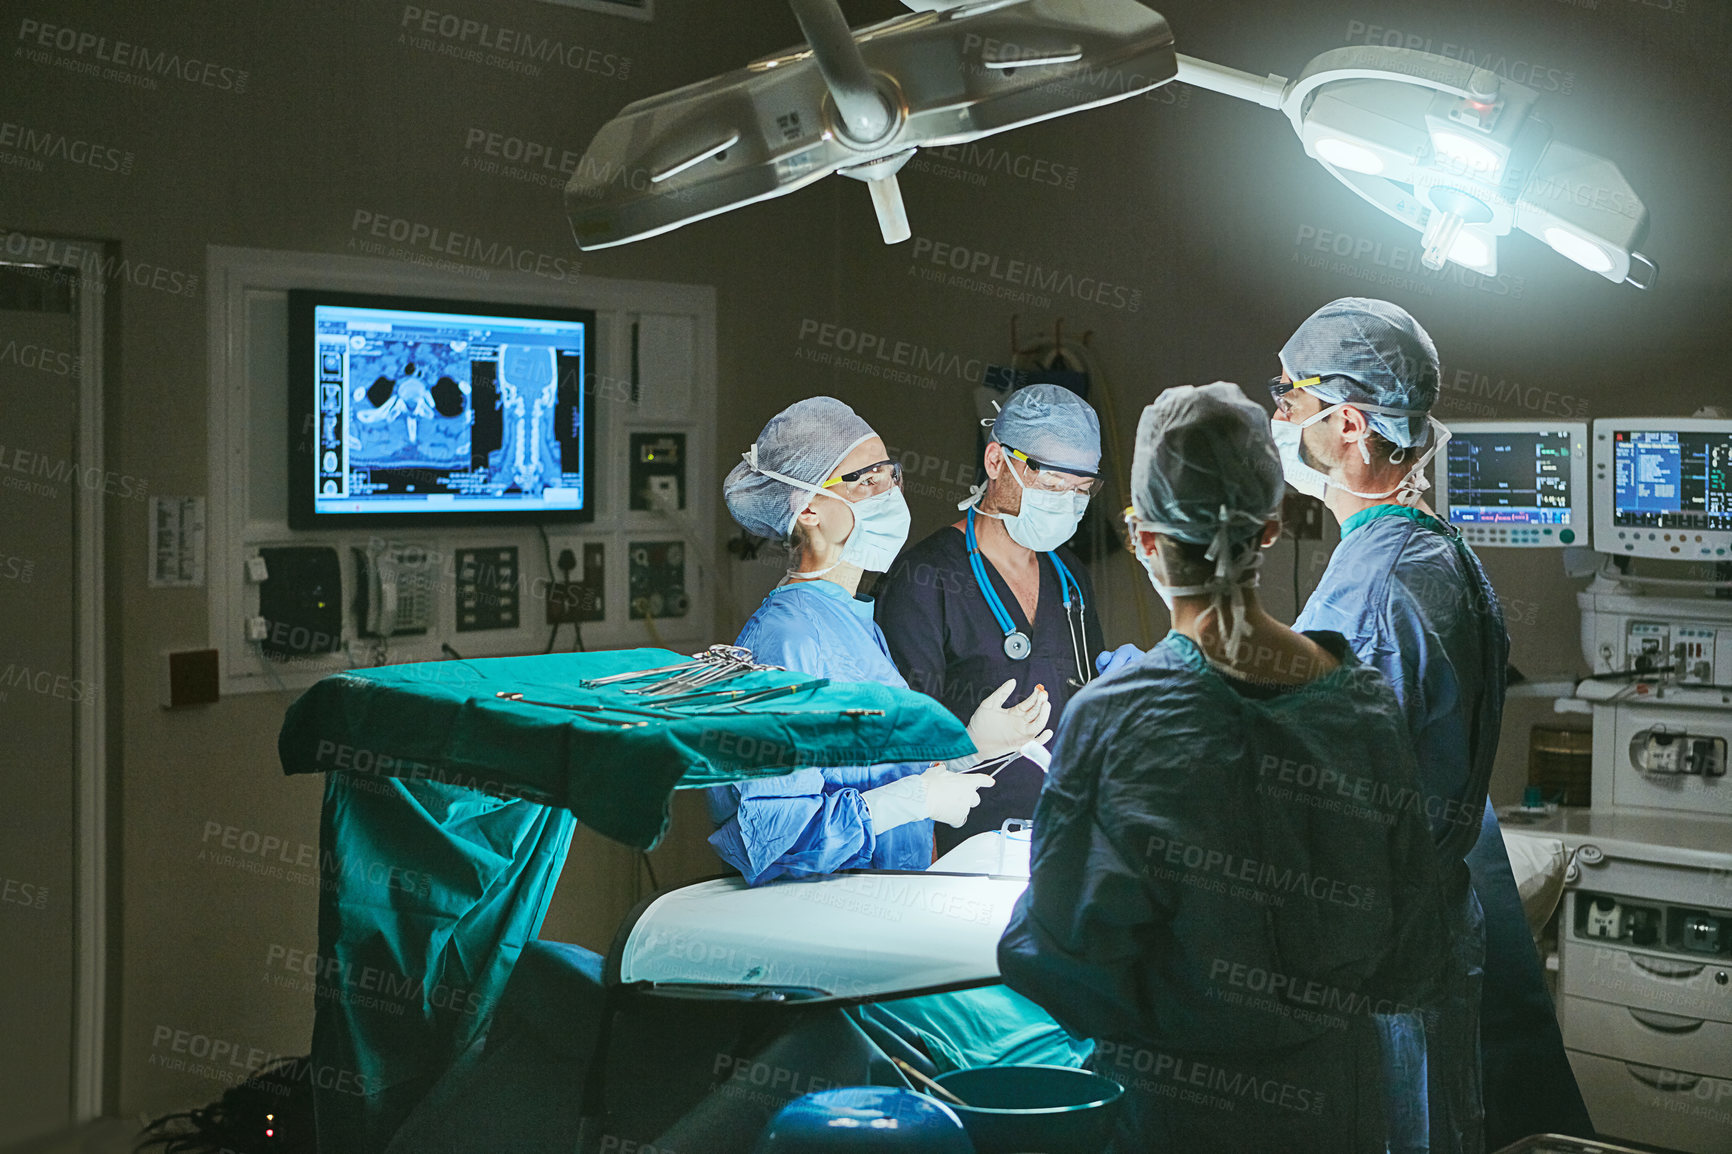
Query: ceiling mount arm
(1263, 90)
(866, 118)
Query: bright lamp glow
(1579, 249)
(1471, 250)
(1346, 154)
(1465, 151)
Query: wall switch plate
(189, 678)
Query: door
(42, 691)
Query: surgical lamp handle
(1264, 90)
(1376, 62)
(864, 114)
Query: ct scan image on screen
(443, 412)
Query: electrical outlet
(1302, 517)
(664, 494)
(581, 599)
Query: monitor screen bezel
(1581, 515)
(303, 414)
(1642, 541)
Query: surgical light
(1469, 154)
(1472, 250)
(1462, 153)
(1579, 249)
(1346, 154)
(1450, 150)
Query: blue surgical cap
(1201, 449)
(1051, 424)
(805, 441)
(1390, 359)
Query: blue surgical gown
(1230, 885)
(1414, 602)
(814, 821)
(948, 645)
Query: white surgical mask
(1312, 483)
(1299, 475)
(1048, 519)
(880, 530)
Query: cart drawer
(1628, 977)
(1655, 1105)
(1674, 1041)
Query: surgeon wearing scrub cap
(819, 479)
(1221, 829)
(996, 595)
(1358, 380)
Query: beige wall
(1202, 207)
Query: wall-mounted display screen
(407, 411)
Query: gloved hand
(1105, 663)
(996, 730)
(949, 796)
(938, 794)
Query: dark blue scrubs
(947, 644)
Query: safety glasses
(883, 474)
(1282, 391)
(1057, 478)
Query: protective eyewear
(884, 472)
(1282, 391)
(1058, 478)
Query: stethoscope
(1017, 645)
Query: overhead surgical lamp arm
(1264, 90)
(866, 118)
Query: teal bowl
(1050, 1109)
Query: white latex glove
(900, 802)
(938, 794)
(949, 796)
(996, 730)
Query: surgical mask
(1289, 435)
(1299, 475)
(880, 530)
(1048, 519)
